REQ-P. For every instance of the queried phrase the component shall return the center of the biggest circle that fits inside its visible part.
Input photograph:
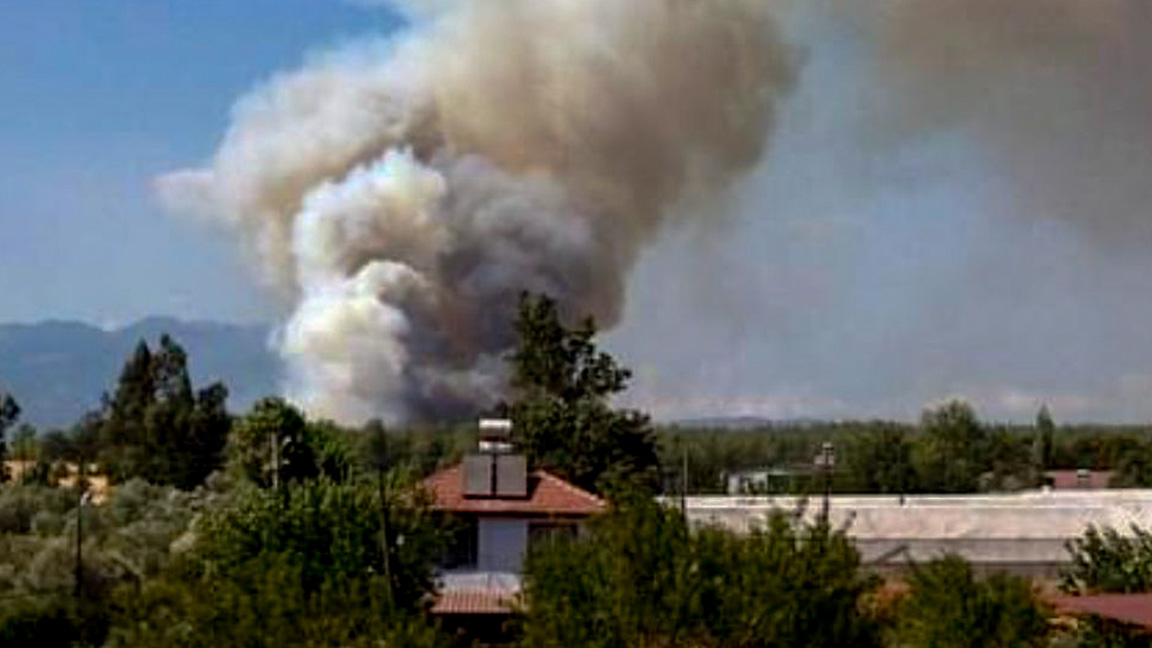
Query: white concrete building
(1022, 532)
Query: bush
(1103, 561)
(642, 577)
(265, 602)
(55, 620)
(298, 567)
(949, 607)
(20, 504)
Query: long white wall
(1023, 531)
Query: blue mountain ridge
(57, 370)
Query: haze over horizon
(907, 237)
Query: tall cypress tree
(155, 426)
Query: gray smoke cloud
(400, 195)
(959, 194)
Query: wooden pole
(81, 490)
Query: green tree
(878, 459)
(1007, 462)
(1045, 439)
(333, 448)
(1134, 468)
(330, 530)
(313, 568)
(126, 542)
(643, 577)
(1043, 446)
(9, 414)
(948, 606)
(561, 412)
(155, 425)
(270, 444)
(263, 604)
(953, 448)
(240, 567)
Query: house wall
(502, 543)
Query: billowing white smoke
(403, 194)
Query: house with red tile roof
(499, 509)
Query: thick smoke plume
(403, 194)
(961, 194)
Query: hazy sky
(900, 243)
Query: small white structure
(758, 481)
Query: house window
(540, 533)
(463, 543)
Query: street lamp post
(826, 461)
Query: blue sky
(97, 98)
(852, 278)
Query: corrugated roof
(1036, 515)
(547, 495)
(473, 601)
(1127, 608)
(1027, 528)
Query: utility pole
(385, 541)
(81, 501)
(900, 469)
(684, 482)
(825, 461)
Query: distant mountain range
(57, 370)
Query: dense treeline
(271, 528)
(950, 450)
(154, 425)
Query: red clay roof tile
(547, 495)
(473, 601)
(1128, 608)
